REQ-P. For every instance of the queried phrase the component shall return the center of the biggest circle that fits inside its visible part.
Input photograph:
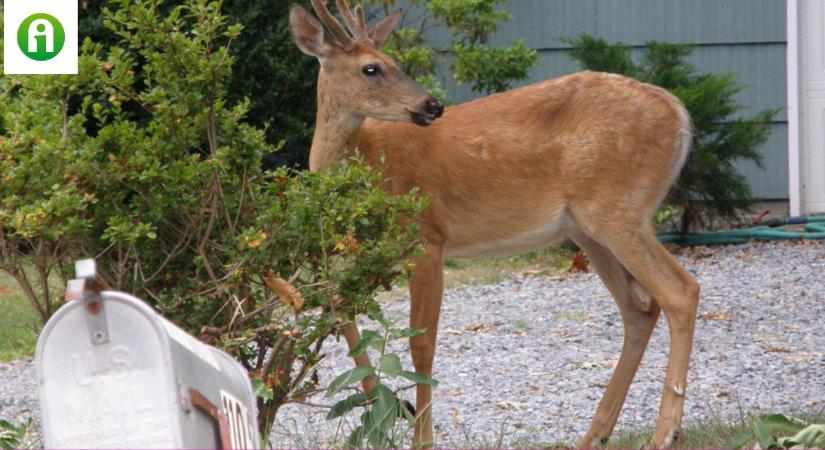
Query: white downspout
(794, 112)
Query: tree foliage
(279, 81)
(709, 188)
(470, 24)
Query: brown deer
(589, 156)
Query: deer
(588, 156)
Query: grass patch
(713, 433)
(551, 261)
(573, 315)
(19, 323)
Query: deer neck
(336, 128)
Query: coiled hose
(766, 231)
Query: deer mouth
(430, 111)
(423, 119)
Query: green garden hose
(814, 229)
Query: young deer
(588, 155)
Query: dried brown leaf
(477, 327)
(715, 315)
(287, 293)
(579, 263)
(777, 350)
(672, 248)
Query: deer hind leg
(677, 293)
(639, 315)
(426, 289)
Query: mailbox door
(119, 394)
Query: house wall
(746, 37)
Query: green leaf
(786, 442)
(347, 405)
(260, 389)
(783, 422)
(812, 436)
(406, 333)
(355, 439)
(390, 365)
(419, 378)
(348, 378)
(382, 416)
(379, 317)
(369, 338)
(385, 402)
(763, 435)
(742, 439)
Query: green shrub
(142, 162)
(709, 188)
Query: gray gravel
(527, 359)
(18, 394)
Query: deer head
(356, 77)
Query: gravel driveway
(527, 359)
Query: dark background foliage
(269, 70)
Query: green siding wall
(746, 37)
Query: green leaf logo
(41, 37)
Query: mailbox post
(112, 373)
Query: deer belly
(507, 242)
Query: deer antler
(332, 23)
(356, 24)
(362, 24)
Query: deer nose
(434, 107)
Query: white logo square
(40, 36)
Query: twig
(314, 405)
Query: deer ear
(307, 32)
(381, 31)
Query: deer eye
(371, 70)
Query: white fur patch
(527, 240)
(678, 390)
(685, 141)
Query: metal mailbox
(112, 372)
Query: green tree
(709, 188)
(275, 76)
(470, 24)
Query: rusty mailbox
(112, 372)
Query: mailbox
(112, 372)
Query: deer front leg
(426, 289)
